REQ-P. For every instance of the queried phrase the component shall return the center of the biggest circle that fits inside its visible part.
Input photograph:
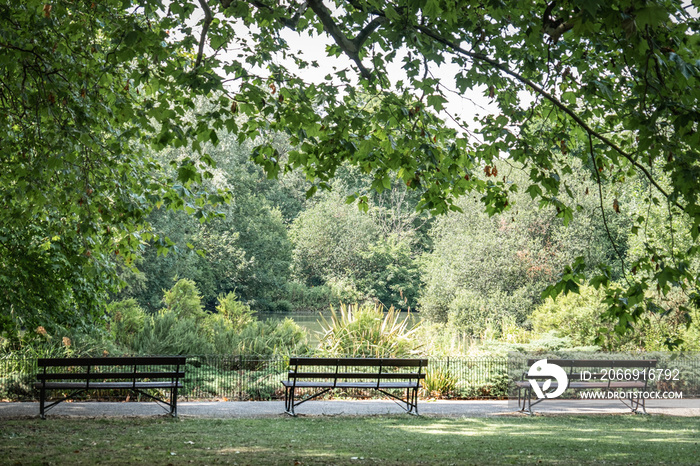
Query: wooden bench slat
(113, 361)
(108, 385)
(598, 362)
(613, 384)
(109, 375)
(360, 362)
(361, 385)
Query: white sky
(465, 107)
(314, 48)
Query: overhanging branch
(348, 46)
(557, 103)
(205, 29)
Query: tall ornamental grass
(367, 331)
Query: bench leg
(289, 401)
(527, 398)
(173, 402)
(42, 398)
(415, 401)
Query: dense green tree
(81, 82)
(360, 257)
(484, 268)
(244, 249)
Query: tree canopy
(87, 89)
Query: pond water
(312, 321)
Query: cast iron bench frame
(136, 374)
(386, 374)
(576, 382)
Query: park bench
(381, 374)
(73, 376)
(612, 375)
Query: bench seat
(583, 385)
(367, 385)
(106, 385)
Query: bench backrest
(136, 367)
(598, 363)
(360, 362)
(606, 369)
(384, 368)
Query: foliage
(497, 387)
(485, 268)
(439, 383)
(577, 317)
(234, 311)
(184, 300)
(305, 298)
(165, 333)
(472, 313)
(89, 88)
(82, 85)
(367, 331)
(126, 320)
(246, 250)
(233, 330)
(340, 247)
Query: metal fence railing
(245, 378)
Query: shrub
(126, 320)
(367, 331)
(166, 333)
(234, 311)
(439, 383)
(273, 338)
(574, 316)
(184, 300)
(298, 297)
(474, 314)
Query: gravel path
(261, 409)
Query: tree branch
(602, 206)
(367, 31)
(503, 68)
(291, 23)
(205, 29)
(350, 47)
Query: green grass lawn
(388, 440)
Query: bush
(126, 319)
(573, 316)
(273, 338)
(439, 383)
(472, 313)
(234, 311)
(166, 333)
(184, 300)
(303, 298)
(233, 330)
(367, 331)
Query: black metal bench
(592, 374)
(379, 374)
(137, 374)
